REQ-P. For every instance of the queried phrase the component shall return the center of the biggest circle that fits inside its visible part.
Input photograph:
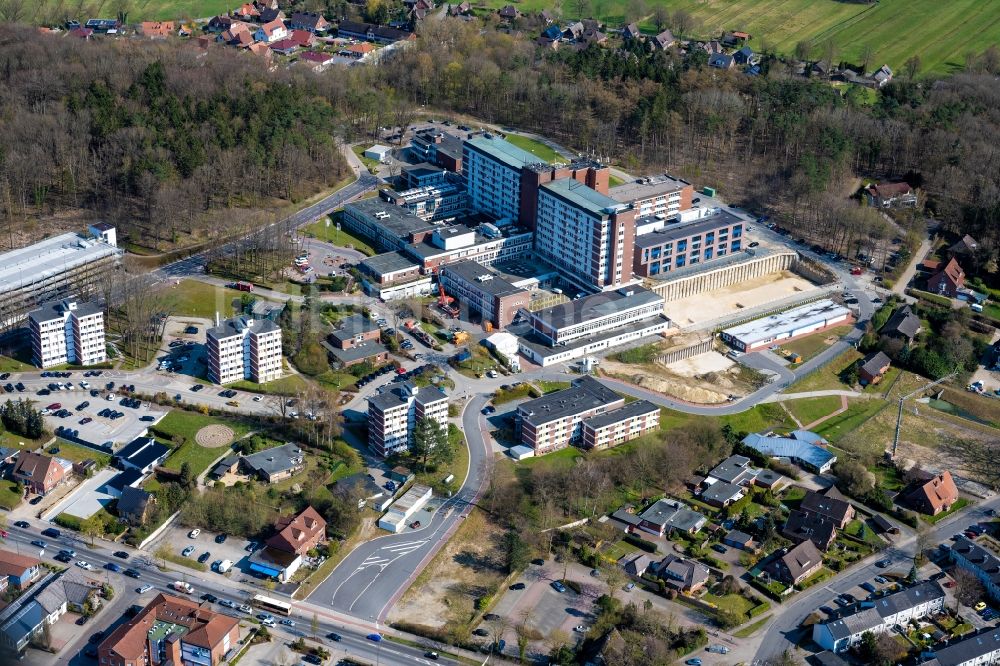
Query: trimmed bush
(639, 542)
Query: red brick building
(171, 630)
(39, 473)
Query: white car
(84, 565)
(193, 534)
(246, 608)
(111, 397)
(269, 622)
(144, 589)
(258, 398)
(85, 385)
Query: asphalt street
(374, 575)
(354, 635)
(783, 633)
(195, 264)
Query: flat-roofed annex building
(54, 268)
(787, 325)
(243, 348)
(67, 332)
(681, 244)
(493, 297)
(655, 195)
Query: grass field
(10, 494)
(827, 377)
(340, 238)
(10, 364)
(197, 299)
(811, 345)
(78, 453)
(536, 148)
(809, 410)
(858, 412)
(287, 385)
(43, 11)
(940, 33)
(187, 424)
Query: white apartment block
(243, 348)
(67, 332)
(393, 414)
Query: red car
(54, 406)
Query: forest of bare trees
(173, 146)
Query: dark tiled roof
(585, 394)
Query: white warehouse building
(785, 326)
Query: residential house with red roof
(934, 495)
(157, 29)
(947, 281)
(287, 549)
(891, 195)
(17, 570)
(40, 473)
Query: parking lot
(107, 430)
(183, 347)
(176, 539)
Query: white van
(224, 566)
(976, 307)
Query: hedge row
(639, 542)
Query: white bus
(271, 605)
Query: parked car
(882, 564)
(144, 588)
(131, 573)
(23, 524)
(517, 586)
(193, 534)
(558, 586)
(187, 551)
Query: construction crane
(445, 302)
(899, 414)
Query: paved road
(354, 633)
(376, 573)
(783, 631)
(195, 264)
(911, 269)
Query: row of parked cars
(367, 379)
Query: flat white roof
(49, 257)
(789, 320)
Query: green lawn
(811, 345)
(551, 387)
(615, 182)
(761, 417)
(748, 631)
(341, 238)
(536, 148)
(857, 413)
(557, 459)
(10, 494)
(808, 410)
(735, 603)
(793, 496)
(197, 457)
(956, 507)
(287, 385)
(854, 528)
(337, 380)
(12, 441)
(187, 425)
(827, 377)
(618, 550)
(77, 453)
(55, 11)
(197, 299)
(11, 364)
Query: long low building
(621, 425)
(402, 510)
(592, 324)
(54, 268)
(785, 326)
(979, 560)
(879, 615)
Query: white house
(378, 152)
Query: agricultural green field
(51, 11)
(940, 33)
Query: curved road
(376, 573)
